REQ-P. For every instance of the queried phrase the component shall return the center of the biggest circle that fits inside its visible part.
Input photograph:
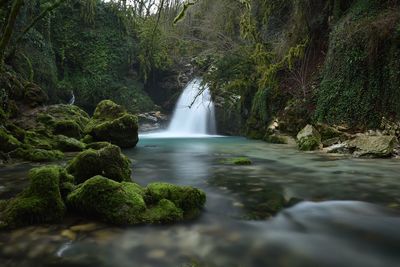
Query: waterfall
(194, 114)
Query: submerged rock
(108, 161)
(373, 146)
(41, 202)
(309, 139)
(113, 124)
(190, 200)
(238, 161)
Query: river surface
(349, 215)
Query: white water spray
(194, 114)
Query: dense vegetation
(265, 61)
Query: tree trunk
(8, 30)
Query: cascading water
(194, 114)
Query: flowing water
(194, 114)
(344, 219)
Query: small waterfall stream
(194, 114)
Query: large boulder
(34, 95)
(373, 146)
(68, 144)
(109, 201)
(309, 139)
(41, 202)
(36, 154)
(127, 203)
(108, 161)
(111, 123)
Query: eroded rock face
(309, 139)
(108, 161)
(373, 146)
(111, 123)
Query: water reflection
(321, 233)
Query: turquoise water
(343, 220)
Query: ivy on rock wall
(94, 57)
(361, 76)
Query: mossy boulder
(68, 128)
(108, 110)
(109, 162)
(122, 132)
(36, 154)
(309, 139)
(39, 139)
(112, 124)
(41, 202)
(109, 201)
(190, 200)
(67, 144)
(165, 211)
(8, 142)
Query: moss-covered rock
(41, 202)
(67, 144)
(165, 211)
(36, 154)
(39, 139)
(309, 139)
(122, 131)
(109, 201)
(112, 124)
(8, 142)
(109, 162)
(108, 110)
(189, 199)
(68, 128)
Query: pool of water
(348, 215)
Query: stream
(348, 217)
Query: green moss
(164, 211)
(108, 110)
(34, 95)
(7, 141)
(238, 161)
(37, 155)
(41, 202)
(309, 143)
(68, 128)
(67, 144)
(108, 162)
(122, 131)
(40, 140)
(361, 75)
(189, 199)
(107, 200)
